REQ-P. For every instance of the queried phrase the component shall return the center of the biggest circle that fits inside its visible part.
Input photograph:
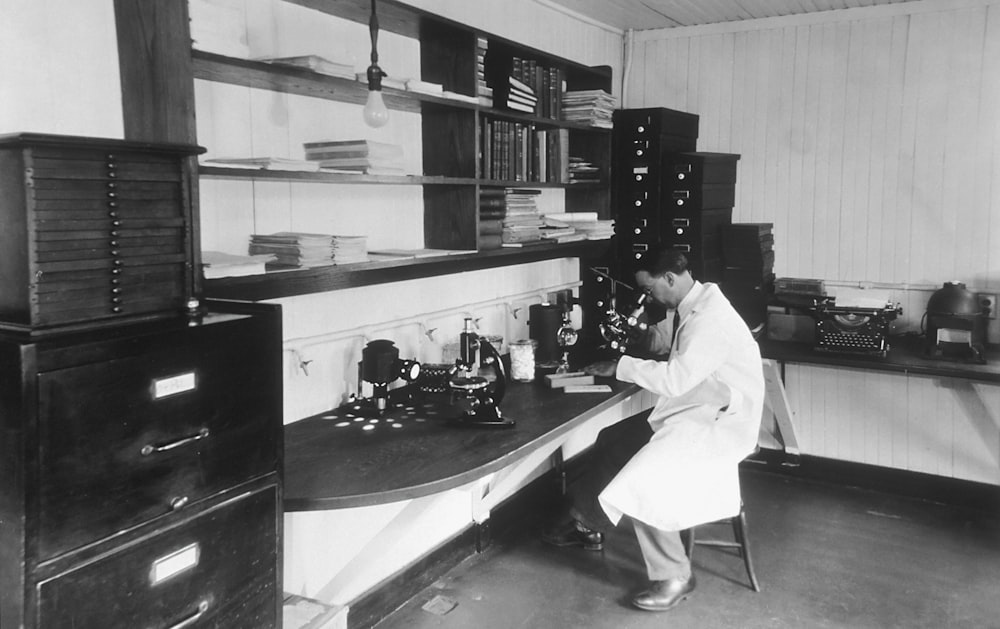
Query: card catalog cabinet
(92, 231)
(140, 474)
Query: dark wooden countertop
(905, 355)
(332, 462)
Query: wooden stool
(739, 524)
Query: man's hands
(604, 368)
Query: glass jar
(522, 360)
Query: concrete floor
(826, 556)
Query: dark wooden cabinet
(140, 474)
(92, 231)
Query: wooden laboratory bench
(333, 462)
(905, 356)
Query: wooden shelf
(210, 66)
(222, 172)
(293, 282)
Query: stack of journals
(589, 107)
(361, 156)
(586, 223)
(316, 64)
(348, 249)
(294, 249)
(218, 264)
(521, 221)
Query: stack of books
(522, 221)
(581, 171)
(294, 249)
(484, 93)
(520, 96)
(586, 223)
(590, 107)
(359, 156)
(492, 209)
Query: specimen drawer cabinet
(93, 231)
(140, 473)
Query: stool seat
(739, 525)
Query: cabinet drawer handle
(183, 441)
(193, 618)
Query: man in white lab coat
(678, 466)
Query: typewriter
(854, 329)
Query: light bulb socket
(375, 75)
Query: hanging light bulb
(375, 112)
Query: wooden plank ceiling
(650, 14)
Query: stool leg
(740, 532)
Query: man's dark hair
(659, 261)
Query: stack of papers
(585, 223)
(589, 107)
(294, 249)
(218, 264)
(264, 163)
(361, 156)
(316, 64)
(424, 87)
(348, 249)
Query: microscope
(618, 329)
(473, 396)
(380, 366)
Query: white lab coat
(706, 420)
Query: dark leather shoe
(664, 595)
(573, 533)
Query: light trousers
(662, 551)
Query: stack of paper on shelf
(316, 64)
(264, 163)
(361, 156)
(586, 223)
(218, 264)
(424, 87)
(348, 249)
(589, 107)
(559, 231)
(294, 249)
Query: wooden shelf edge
(332, 278)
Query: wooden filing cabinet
(93, 231)
(140, 474)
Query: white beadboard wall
(870, 137)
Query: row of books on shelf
(519, 151)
